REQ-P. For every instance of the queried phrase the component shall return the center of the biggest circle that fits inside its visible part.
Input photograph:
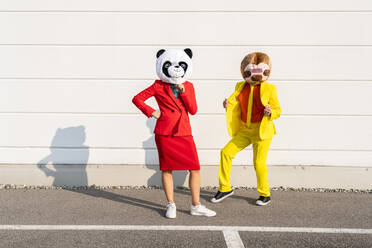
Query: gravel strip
(15, 187)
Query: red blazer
(174, 119)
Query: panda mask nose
(177, 66)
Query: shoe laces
(170, 205)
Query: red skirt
(177, 153)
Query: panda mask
(174, 66)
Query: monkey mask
(256, 68)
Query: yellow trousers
(245, 137)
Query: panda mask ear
(188, 52)
(159, 53)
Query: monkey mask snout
(256, 78)
(256, 73)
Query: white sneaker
(201, 210)
(171, 211)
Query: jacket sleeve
(140, 98)
(274, 104)
(233, 97)
(188, 98)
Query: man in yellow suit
(250, 112)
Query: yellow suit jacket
(268, 97)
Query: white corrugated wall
(69, 69)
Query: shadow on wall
(66, 149)
(152, 161)
(69, 157)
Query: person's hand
(156, 114)
(267, 110)
(181, 88)
(225, 103)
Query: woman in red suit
(176, 148)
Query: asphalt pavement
(145, 207)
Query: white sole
(197, 214)
(221, 199)
(260, 203)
